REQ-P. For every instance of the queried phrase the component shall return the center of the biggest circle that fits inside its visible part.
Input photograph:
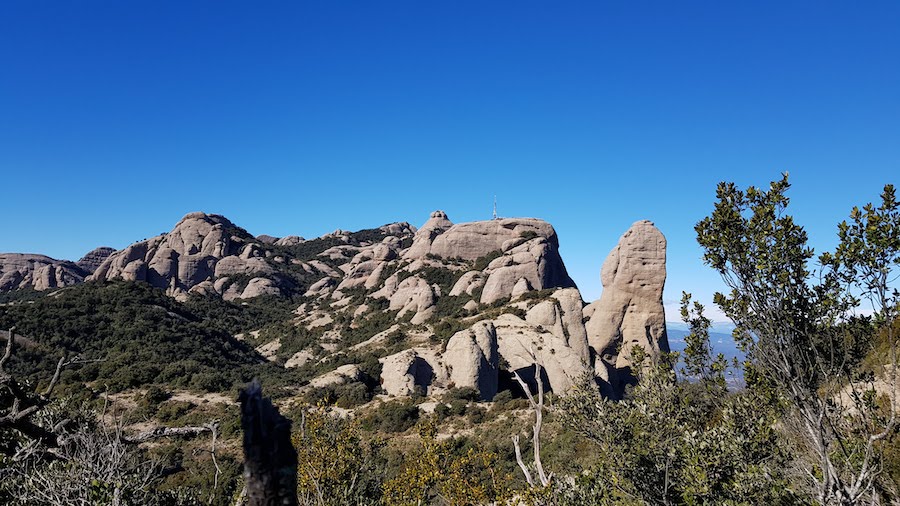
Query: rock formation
(95, 258)
(630, 310)
(408, 292)
(199, 255)
(38, 272)
(472, 359)
(406, 372)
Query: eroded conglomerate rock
(198, 256)
(180, 259)
(630, 310)
(406, 372)
(415, 295)
(38, 272)
(532, 264)
(472, 359)
(95, 258)
(518, 339)
(503, 280)
(473, 240)
(437, 223)
(561, 314)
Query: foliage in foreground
(675, 442)
(797, 324)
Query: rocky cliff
(443, 306)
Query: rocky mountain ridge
(19, 271)
(442, 306)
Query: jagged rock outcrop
(437, 223)
(405, 372)
(562, 315)
(400, 285)
(630, 310)
(94, 258)
(38, 272)
(197, 256)
(563, 364)
(472, 359)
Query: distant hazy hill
(720, 339)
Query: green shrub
(475, 414)
(170, 411)
(444, 329)
(458, 407)
(152, 398)
(441, 411)
(481, 263)
(394, 416)
(462, 393)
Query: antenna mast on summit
(495, 208)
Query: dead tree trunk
(270, 461)
(537, 406)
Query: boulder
(630, 310)
(343, 374)
(468, 283)
(260, 286)
(561, 314)
(402, 372)
(472, 359)
(416, 295)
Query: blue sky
(117, 118)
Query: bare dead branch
(537, 406)
(162, 432)
(10, 338)
(525, 471)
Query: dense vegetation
(132, 335)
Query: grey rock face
(534, 264)
(401, 373)
(517, 339)
(437, 224)
(416, 295)
(193, 257)
(473, 360)
(39, 272)
(95, 258)
(291, 240)
(630, 310)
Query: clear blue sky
(116, 118)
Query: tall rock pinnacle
(630, 310)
